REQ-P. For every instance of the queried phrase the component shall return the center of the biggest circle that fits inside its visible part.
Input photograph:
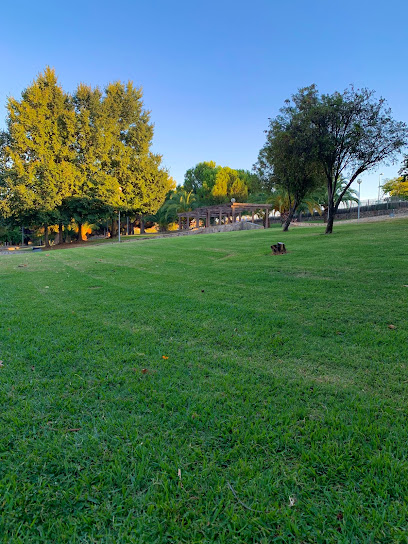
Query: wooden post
(253, 218)
(180, 225)
(267, 218)
(240, 216)
(208, 222)
(198, 221)
(220, 217)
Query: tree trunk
(114, 231)
(46, 237)
(331, 210)
(289, 218)
(60, 234)
(79, 232)
(142, 227)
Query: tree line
(85, 156)
(315, 148)
(80, 156)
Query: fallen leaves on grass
(1, 364)
(292, 501)
(392, 327)
(164, 357)
(144, 370)
(74, 430)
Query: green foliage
(38, 158)
(251, 180)
(288, 160)
(404, 168)
(215, 184)
(229, 185)
(352, 132)
(94, 142)
(9, 233)
(177, 201)
(63, 154)
(114, 158)
(81, 209)
(181, 201)
(201, 180)
(396, 187)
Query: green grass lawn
(279, 413)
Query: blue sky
(212, 72)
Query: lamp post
(379, 186)
(120, 189)
(359, 201)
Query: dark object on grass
(278, 249)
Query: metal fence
(368, 208)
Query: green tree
(38, 159)
(94, 141)
(229, 185)
(213, 184)
(252, 181)
(288, 160)
(142, 183)
(318, 200)
(404, 168)
(177, 201)
(353, 132)
(115, 164)
(201, 179)
(396, 187)
(181, 201)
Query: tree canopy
(288, 160)
(337, 136)
(61, 149)
(397, 187)
(353, 132)
(213, 184)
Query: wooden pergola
(229, 213)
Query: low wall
(229, 227)
(239, 225)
